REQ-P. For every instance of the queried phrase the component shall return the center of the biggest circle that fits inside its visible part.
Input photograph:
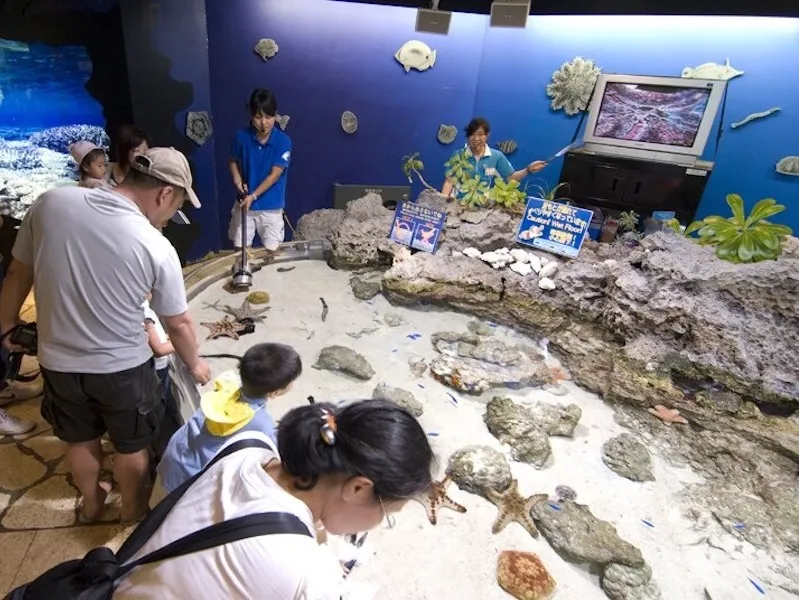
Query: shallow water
(457, 558)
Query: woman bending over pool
(350, 467)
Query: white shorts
(268, 224)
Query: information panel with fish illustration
(554, 227)
(417, 226)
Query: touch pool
(656, 524)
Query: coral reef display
(198, 127)
(711, 70)
(753, 116)
(349, 122)
(34, 137)
(788, 166)
(572, 85)
(447, 134)
(266, 48)
(415, 55)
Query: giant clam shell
(447, 133)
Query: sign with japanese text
(417, 226)
(553, 226)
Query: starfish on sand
(245, 311)
(668, 415)
(514, 507)
(437, 497)
(226, 327)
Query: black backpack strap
(145, 530)
(224, 533)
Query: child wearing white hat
(91, 161)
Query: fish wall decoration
(507, 147)
(757, 115)
(415, 55)
(711, 70)
(788, 166)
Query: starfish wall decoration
(437, 497)
(226, 327)
(514, 507)
(668, 415)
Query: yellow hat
(224, 413)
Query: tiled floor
(38, 503)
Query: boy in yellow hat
(236, 403)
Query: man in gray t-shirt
(92, 257)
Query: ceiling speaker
(433, 21)
(510, 14)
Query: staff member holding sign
(487, 163)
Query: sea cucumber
(757, 115)
(324, 309)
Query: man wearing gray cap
(92, 257)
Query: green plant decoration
(628, 221)
(413, 165)
(459, 167)
(475, 193)
(742, 239)
(546, 193)
(507, 195)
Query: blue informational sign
(554, 227)
(417, 226)
(663, 215)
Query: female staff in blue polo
(487, 163)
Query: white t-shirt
(161, 362)
(95, 257)
(270, 567)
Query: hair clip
(328, 429)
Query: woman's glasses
(388, 521)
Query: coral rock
(523, 576)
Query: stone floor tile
(48, 447)
(18, 470)
(53, 546)
(51, 503)
(13, 548)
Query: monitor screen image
(654, 114)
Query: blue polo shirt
(493, 163)
(193, 446)
(256, 161)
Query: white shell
(521, 268)
(447, 133)
(545, 283)
(548, 270)
(349, 122)
(198, 127)
(711, 70)
(788, 166)
(535, 262)
(415, 55)
(520, 255)
(471, 252)
(266, 48)
(572, 85)
(282, 121)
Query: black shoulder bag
(94, 576)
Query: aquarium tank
(44, 107)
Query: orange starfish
(558, 374)
(668, 415)
(437, 496)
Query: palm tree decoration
(414, 166)
(459, 167)
(507, 195)
(474, 193)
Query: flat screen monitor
(640, 115)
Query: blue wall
(337, 56)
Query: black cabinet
(619, 184)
